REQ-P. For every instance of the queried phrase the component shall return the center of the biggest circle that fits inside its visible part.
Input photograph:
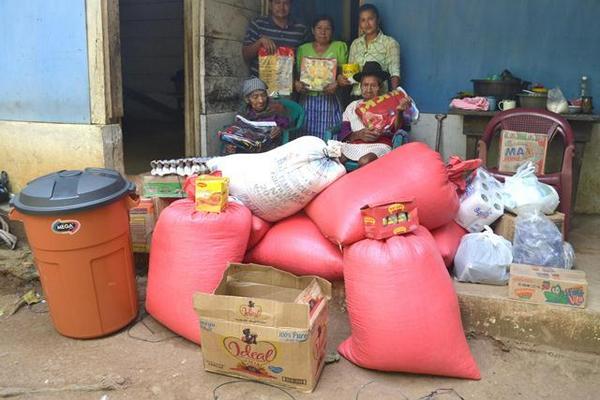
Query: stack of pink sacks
(402, 306)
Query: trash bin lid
(70, 191)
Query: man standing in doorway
(275, 30)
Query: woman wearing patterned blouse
(373, 45)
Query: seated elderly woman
(258, 107)
(368, 143)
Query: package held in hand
(380, 112)
(317, 73)
(277, 70)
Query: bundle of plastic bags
(483, 258)
(523, 189)
(280, 182)
(538, 241)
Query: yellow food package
(348, 70)
(211, 193)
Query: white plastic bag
(483, 258)
(523, 189)
(280, 182)
(481, 203)
(557, 102)
(538, 241)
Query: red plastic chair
(537, 121)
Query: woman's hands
(404, 104)
(368, 135)
(275, 132)
(343, 81)
(300, 87)
(331, 88)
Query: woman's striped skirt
(321, 113)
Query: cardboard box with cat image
(265, 324)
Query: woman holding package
(373, 45)
(363, 143)
(322, 108)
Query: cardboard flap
(403, 200)
(260, 295)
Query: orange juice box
(211, 193)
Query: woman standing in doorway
(322, 109)
(373, 45)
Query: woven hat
(252, 84)
(372, 68)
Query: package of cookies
(317, 73)
(384, 220)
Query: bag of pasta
(380, 112)
(277, 70)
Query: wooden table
(474, 123)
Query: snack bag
(277, 70)
(380, 112)
(317, 73)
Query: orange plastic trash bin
(77, 225)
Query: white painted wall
(452, 140)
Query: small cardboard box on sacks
(505, 226)
(265, 324)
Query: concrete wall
(44, 67)
(447, 43)
(223, 69)
(52, 147)
(151, 51)
(588, 200)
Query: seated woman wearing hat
(367, 144)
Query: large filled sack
(447, 238)
(403, 309)
(189, 253)
(280, 182)
(412, 170)
(259, 229)
(296, 245)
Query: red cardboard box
(384, 220)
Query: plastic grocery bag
(523, 189)
(281, 182)
(538, 241)
(277, 70)
(483, 258)
(557, 102)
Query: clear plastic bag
(483, 258)
(538, 241)
(524, 190)
(557, 102)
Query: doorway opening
(152, 60)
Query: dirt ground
(147, 361)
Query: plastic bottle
(584, 86)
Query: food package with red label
(380, 112)
(317, 73)
(277, 70)
(385, 220)
(211, 193)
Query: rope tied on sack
(6, 236)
